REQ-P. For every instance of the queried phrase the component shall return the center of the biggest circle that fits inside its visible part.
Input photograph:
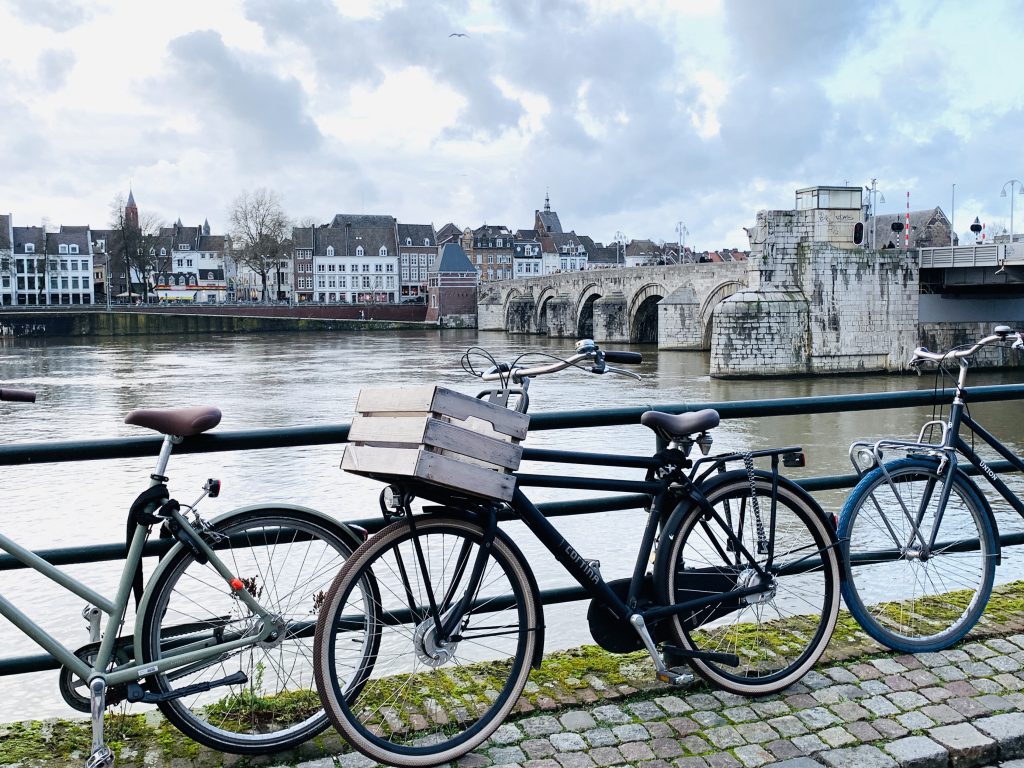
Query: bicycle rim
(776, 635)
(424, 701)
(905, 601)
(286, 560)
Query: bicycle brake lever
(610, 369)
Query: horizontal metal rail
(120, 448)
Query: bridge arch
(541, 317)
(585, 311)
(642, 314)
(514, 293)
(707, 307)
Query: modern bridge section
(671, 305)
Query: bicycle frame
(948, 449)
(663, 496)
(116, 608)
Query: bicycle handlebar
(587, 350)
(1002, 333)
(18, 395)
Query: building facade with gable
(452, 289)
(355, 260)
(417, 250)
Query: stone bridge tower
(816, 301)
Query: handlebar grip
(624, 358)
(18, 395)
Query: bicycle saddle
(180, 422)
(680, 425)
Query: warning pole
(906, 229)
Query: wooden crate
(438, 436)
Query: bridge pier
(558, 318)
(521, 311)
(679, 325)
(611, 322)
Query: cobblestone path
(860, 708)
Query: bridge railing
(120, 448)
(969, 256)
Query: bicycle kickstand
(102, 756)
(661, 671)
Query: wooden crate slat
(467, 442)
(431, 467)
(388, 429)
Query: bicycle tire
(905, 603)
(793, 621)
(418, 706)
(286, 558)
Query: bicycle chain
(762, 544)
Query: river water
(85, 387)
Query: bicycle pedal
(672, 677)
(102, 757)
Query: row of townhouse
(42, 267)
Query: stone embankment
(860, 708)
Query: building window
(359, 251)
(378, 267)
(62, 248)
(330, 250)
(366, 267)
(408, 241)
(383, 250)
(426, 241)
(184, 247)
(30, 248)
(163, 251)
(72, 248)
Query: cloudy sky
(635, 115)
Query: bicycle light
(212, 488)
(864, 458)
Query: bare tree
(259, 228)
(134, 246)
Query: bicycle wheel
(777, 635)
(908, 602)
(286, 559)
(426, 701)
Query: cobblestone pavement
(860, 708)
(953, 709)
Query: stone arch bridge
(668, 305)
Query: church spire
(131, 211)
(547, 202)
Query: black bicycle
(737, 574)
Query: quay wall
(142, 323)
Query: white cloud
(636, 114)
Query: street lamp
(620, 241)
(1011, 183)
(683, 232)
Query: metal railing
(991, 255)
(119, 448)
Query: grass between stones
(575, 677)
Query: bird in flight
(458, 34)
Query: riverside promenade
(860, 708)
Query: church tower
(131, 212)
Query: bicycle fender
(353, 539)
